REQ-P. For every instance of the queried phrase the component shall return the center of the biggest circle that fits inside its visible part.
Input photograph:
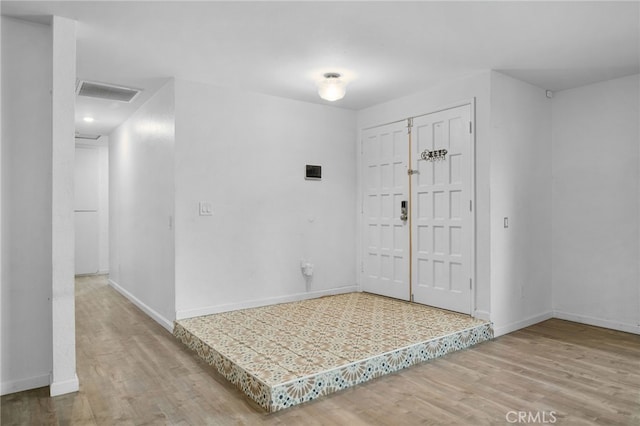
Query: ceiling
(385, 49)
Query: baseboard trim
(598, 322)
(64, 387)
(92, 274)
(209, 310)
(157, 317)
(500, 330)
(13, 386)
(483, 315)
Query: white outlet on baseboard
(205, 208)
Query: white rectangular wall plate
(205, 208)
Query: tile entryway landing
(286, 354)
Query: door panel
(86, 226)
(441, 217)
(386, 253)
(87, 240)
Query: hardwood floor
(133, 372)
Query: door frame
(472, 195)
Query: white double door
(425, 255)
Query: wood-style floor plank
(133, 372)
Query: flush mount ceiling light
(88, 119)
(332, 87)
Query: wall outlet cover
(205, 208)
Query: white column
(63, 375)
(2, 225)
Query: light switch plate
(205, 208)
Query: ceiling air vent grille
(105, 91)
(87, 136)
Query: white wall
(26, 205)
(246, 154)
(141, 189)
(521, 191)
(595, 204)
(445, 95)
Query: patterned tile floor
(285, 354)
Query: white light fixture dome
(332, 87)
